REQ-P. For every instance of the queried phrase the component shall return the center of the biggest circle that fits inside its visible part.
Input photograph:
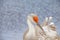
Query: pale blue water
(13, 15)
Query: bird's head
(33, 18)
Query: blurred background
(13, 15)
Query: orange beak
(35, 18)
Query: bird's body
(30, 33)
(45, 31)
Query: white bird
(30, 34)
(50, 29)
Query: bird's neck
(31, 26)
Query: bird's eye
(35, 18)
